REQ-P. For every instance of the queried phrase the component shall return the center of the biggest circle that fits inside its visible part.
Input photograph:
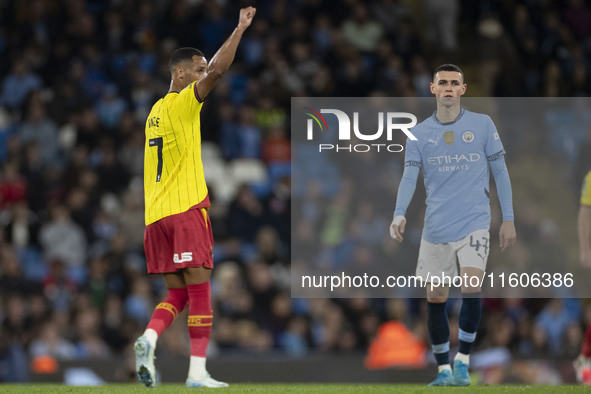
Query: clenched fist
(246, 15)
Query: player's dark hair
(181, 55)
(448, 67)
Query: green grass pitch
(288, 388)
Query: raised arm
(223, 58)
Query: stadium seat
(210, 151)
(248, 171)
(219, 176)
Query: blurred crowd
(77, 82)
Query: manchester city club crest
(468, 137)
(448, 137)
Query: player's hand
(507, 235)
(586, 258)
(397, 228)
(246, 15)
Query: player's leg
(438, 327)
(163, 316)
(472, 257)
(159, 253)
(199, 325)
(583, 363)
(470, 313)
(436, 262)
(166, 311)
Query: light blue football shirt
(454, 157)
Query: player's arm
(507, 233)
(406, 190)
(223, 58)
(584, 226)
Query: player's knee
(437, 300)
(437, 294)
(470, 290)
(196, 275)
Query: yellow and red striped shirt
(173, 171)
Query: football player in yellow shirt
(178, 240)
(583, 362)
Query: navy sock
(438, 331)
(469, 321)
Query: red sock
(168, 310)
(586, 348)
(200, 317)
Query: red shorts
(178, 241)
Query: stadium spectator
(50, 343)
(361, 31)
(64, 240)
(391, 14)
(138, 304)
(12, 278)
(59, 288)
(41, 130)
(246, 215)
(441, 22)
(554, 320)
(110, 107)
(22, 227)
(89, 344)
(18, 84)
(275, 147)
(13, 186)
(13, 360)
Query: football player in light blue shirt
(455, 148)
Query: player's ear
(464, 87)
(179, 72)
(432, 87)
